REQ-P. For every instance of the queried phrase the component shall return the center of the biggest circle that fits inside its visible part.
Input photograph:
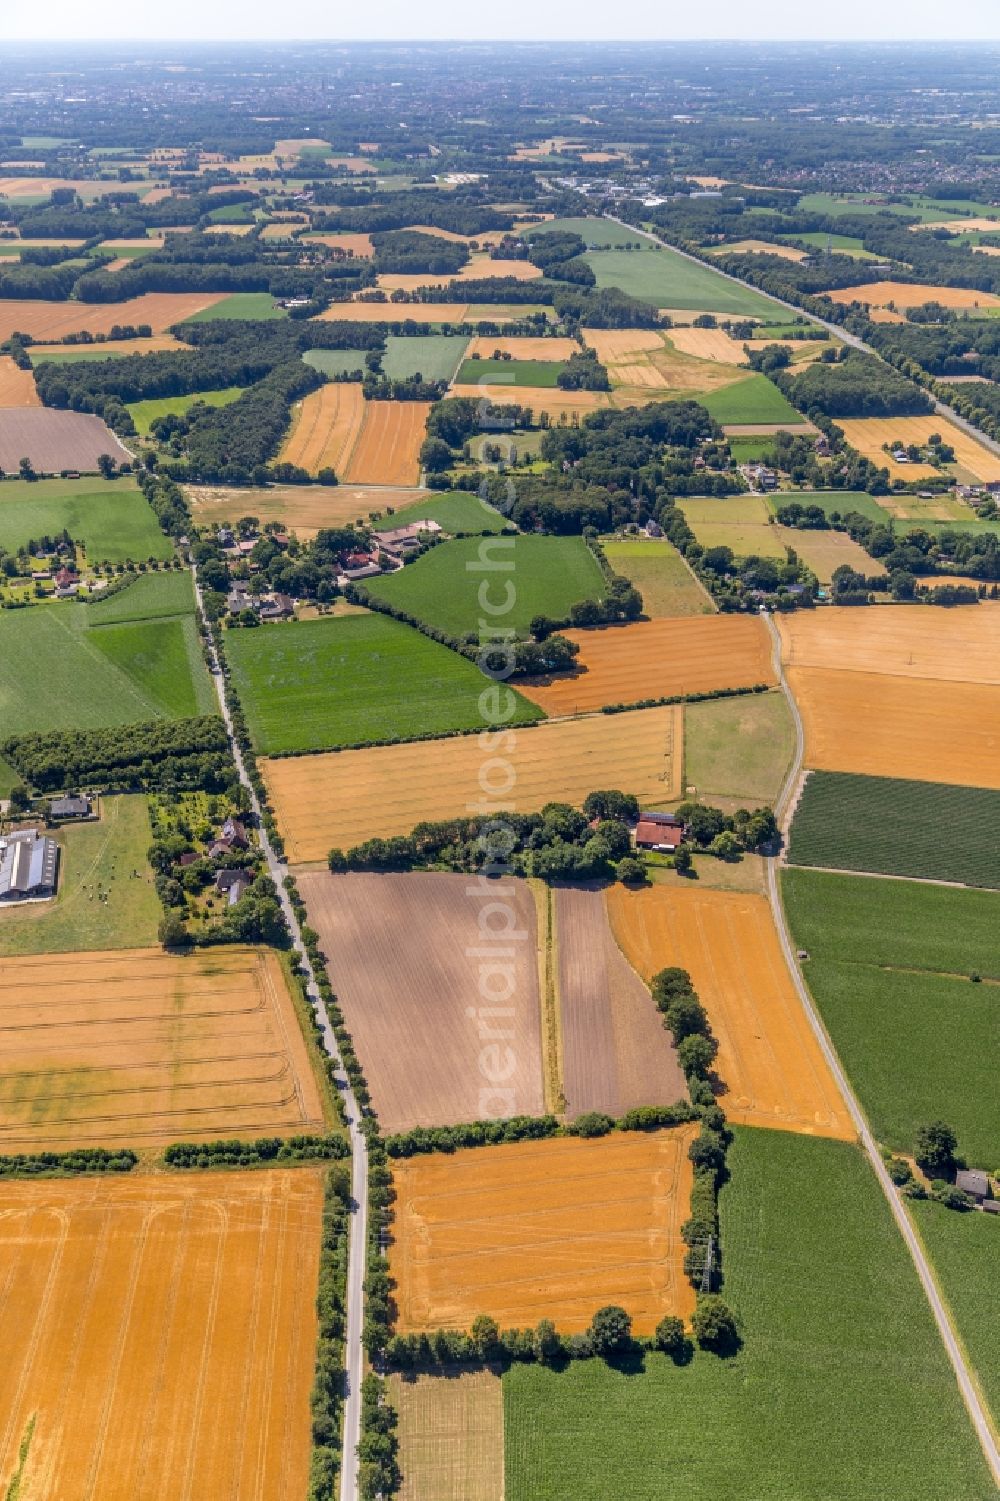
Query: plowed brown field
(340, 799)
(450, 1436)
(922, 729)
(52, 321)
(325, 428)
(17, 387)
(658, 658)
(159, 1336)
(55, 440)
(406, 956)
(138, 1046)
(544, 1229)
(387, 450)
(303, 508)
(616, 1052)
(960, 645)
(868, 434)
(769, 1060)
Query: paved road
(966, 1382)
(354, 1352)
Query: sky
(659, 20)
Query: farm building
(659, 831)
(28, 865)
(976, 1185)
(233, 883)
(70, 807)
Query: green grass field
(241, 305)
(889, 968)
(656, 568)
(434, 356)
(106, 351)
(113, 521)
(132, 657)
(927, 210)
(456, 511)
(666, 279)
(600, 234)
(829, 501)
(750, 450)
(840, 244)
(965, 1250)
(895, 828)
(842, 1391)
(545, 574)
(738, 748)
(511, 372)
(755, 399)
(318, 684)
(106, 857)
(145, 413)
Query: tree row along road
(942, 1317)
(353, 1349)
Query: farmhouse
(659, 831)
(233, 883)
(70, 807)
(28, 864)
(976, 1185)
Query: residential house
(70, 807)
(975, 1184)
(233, 884)
(662, 832)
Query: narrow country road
(354, 1351)
(966, 1382)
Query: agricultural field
(759, 247)
(450, 1435)
(646, 659)
(113, 522)
(303, 509)
(749, 401)
(325, 428)
(140, 1047)
(891, 827)
(434, 356)
(769, 1063)
(904, 294)
(868, 434)
(890, 966)
(833, 1360)
(741, 522)
(561, 406)
(75, 666)
(161, 1334)
(105, 899)
(429, 312)
(599, 234)
(960, 645)
(145, 413)
(536, 373)
(456, 511)
(335, 362)
(668, 587)
(51, 321)
(646, 364)
(841, 244)
(405, 958)
(668, 280)
(312, 685)
(826, 551)
(708, 344)
(523, 347)
(738, 749)
(616, 1053)
(53, 440)
(343, 798)
(17, 387)
(840, 502)
(386, 450)
(541, 1229)
(442, 587)
(240, 305)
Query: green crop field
(841, 1392)
(599, 234)
(755, 399)
(839, 244)
(336, 361)
(241, 305)
(113, 521)
(738, 748)
(132, 657)
(830, 501)
(455, 511)
(546, 575)
(895, 828)
(145, 413)
(105, 351)
(106, 897)
(890, 968)
(511, 372)
(750, 450)
(656, 568)
(434, 356)
(965, 1250)
(667, 279)
(319, 684)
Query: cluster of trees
(331, 1307)
(978, 402)
(559, 254)
(410, 252)
(379, 1475)
(936, 1154)
(583, 372)
(456, 211)
(63, 1164)
(854, 385)
(424, 1139)
(232, 445)
(305, 570)
(160, 754)
(920, 552)
(236, 1153)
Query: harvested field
(406, 960)
(109, 349)
(645, 360)
(760, 247)
(961, 226)
(523, 348)
(138, 1047)
(924, 730)
(302, 508)
(737, 751)
(424, 312)
(160, 1337)
(544, 1229)
(325, 428)
(387, 449)
(476, 268)
(742, 522)
(53, 320)
(17, 387)
(708, 344)
(769, 1060)
(55, 440)
(767, 429)
(656, 659)
(340, 799)
(911, 294)
(867, 435)
(616, 1051)
(539, 398)
(666, 583)
(614, 345)
(959, 645)
(450, 1436)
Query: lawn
(889, 969)
(667, 279)
(738, 748)
(895, 828)
(537, 575)
(599, 234)
(656, 568)
(145, 413)
(434, 356)
(750, 450)
(319, 684)
(511, 372)
(841, 1392)
(113, 521)
(965, 1250)
(255, 305)
(106, 897)
(755, 399)
(455, 511)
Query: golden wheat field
(304, 509)
(961, 644)
(386, 451)
(761, 247)
(17, 387)
(522, 347)
(558, 404)
(911, 294)
(450, 1436)
(159, 1336)
(51, 321)
(708, 344)
(339, 799)
(325, 428)
(868, 434)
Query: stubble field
(48, 322)
(668, 587)
(450, 1436)
(325, 428)
(304, 509)
(387, 449)
(17, 387)
(914, 641)
(868, 434)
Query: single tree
(610, 1331)
(935, 1150)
